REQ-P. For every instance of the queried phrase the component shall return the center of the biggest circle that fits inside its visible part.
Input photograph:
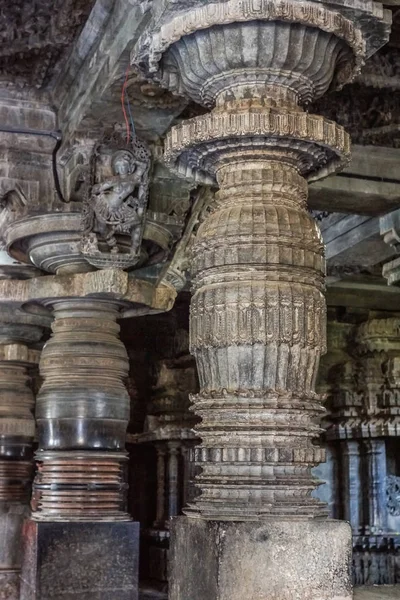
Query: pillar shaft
(257, 332)
(82, 414)
(160, 508)
(173, 473)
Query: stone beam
(368, 186)
(362, 293)
(353, 241)
(108, 283)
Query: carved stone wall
(361, 381)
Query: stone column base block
(9, 585)
(89, 561)
(270, 560)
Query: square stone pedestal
(89, 561)
(12, 516)
(269, 560)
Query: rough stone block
(89, 561)
(269, 560)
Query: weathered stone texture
(272, 560)
(92, 561)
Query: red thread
(128, 129)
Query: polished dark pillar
(81, 541)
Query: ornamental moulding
(235, 11)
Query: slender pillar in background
(160, 514)
(258, 316)
(375, 456)
(173, 472)
(352, 484)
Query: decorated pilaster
(258, 311)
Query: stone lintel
(163, 434)
(108, 283)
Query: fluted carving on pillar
(82, 414)
(257, 331)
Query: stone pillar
(258, 311)
(351, 482)
(79, 491)
(173, 472)
(375, 453)
(19, 331)
(82, 412)
(160, 510)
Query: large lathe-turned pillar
(82, 414)
(84, 542)
(80, 540)
(258, 310)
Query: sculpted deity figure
(117, 205)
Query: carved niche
(114, 207)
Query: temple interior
(199, 300)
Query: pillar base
(92, 561)
(272, 560)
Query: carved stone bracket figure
(258, 310)
(117, 206)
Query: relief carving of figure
(117, 205)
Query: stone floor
(378, 593)
(370, 593)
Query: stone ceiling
(35, 36)
(370, 108)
